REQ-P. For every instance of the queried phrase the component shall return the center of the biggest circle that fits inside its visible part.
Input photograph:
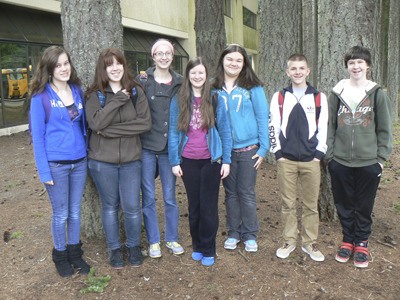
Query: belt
(244, 149)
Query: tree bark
(342, 24)
(378, 48)
(88, 27)
(210, 30)
(309, 37)
(279, 38)
(393, 58)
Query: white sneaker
(285, 251)
(155, 250)
(231, 243)
(313, 252)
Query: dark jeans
(354, 191)
(240, 197)
(202, 180)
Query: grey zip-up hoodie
(159, 98)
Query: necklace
(60, 91)
(65, 95)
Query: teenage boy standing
(359, 141)
(298, 131)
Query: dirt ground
(27, 271)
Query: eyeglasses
(160, 54)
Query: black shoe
(135, 257)
(60, 259)
(116, 259)
(75, 253)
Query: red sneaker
(361, 254)
(345, 252)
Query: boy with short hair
(298, 131)
(359, 141)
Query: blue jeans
(66, 197)
(240, 197)
(119, 185)
(168, 180)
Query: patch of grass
(396, 207)
(16, 235)
(38, 215)
(396, 128)
(386, 180)
(95, 284)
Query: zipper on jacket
(352, 128)
(119, 139)
(219, 159)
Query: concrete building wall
(169, 18)
(174, 18)
(163, 17)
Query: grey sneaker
(251, 246)
(313, 252)
(175, 247)
(155, 250)
(231, 243)
(285, 251)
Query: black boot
(75, 253)
(60, 258)
(116, 259)
(135, 257)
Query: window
(17, 61)
(249, 18)
(228, 8)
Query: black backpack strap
(214, 101)
(134, 96)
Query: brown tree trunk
(342, 24)
(210, 30)
(393, 58)
(279, 38)
(88, 27)
(309, 38)
(379, 41)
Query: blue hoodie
(219, 140)
(58, 139)
(249, 113)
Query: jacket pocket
(342, 146)
(214, 144)
(365, 146)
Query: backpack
(134, 97)
(214, 101)
(317, 100)
(47, 110)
